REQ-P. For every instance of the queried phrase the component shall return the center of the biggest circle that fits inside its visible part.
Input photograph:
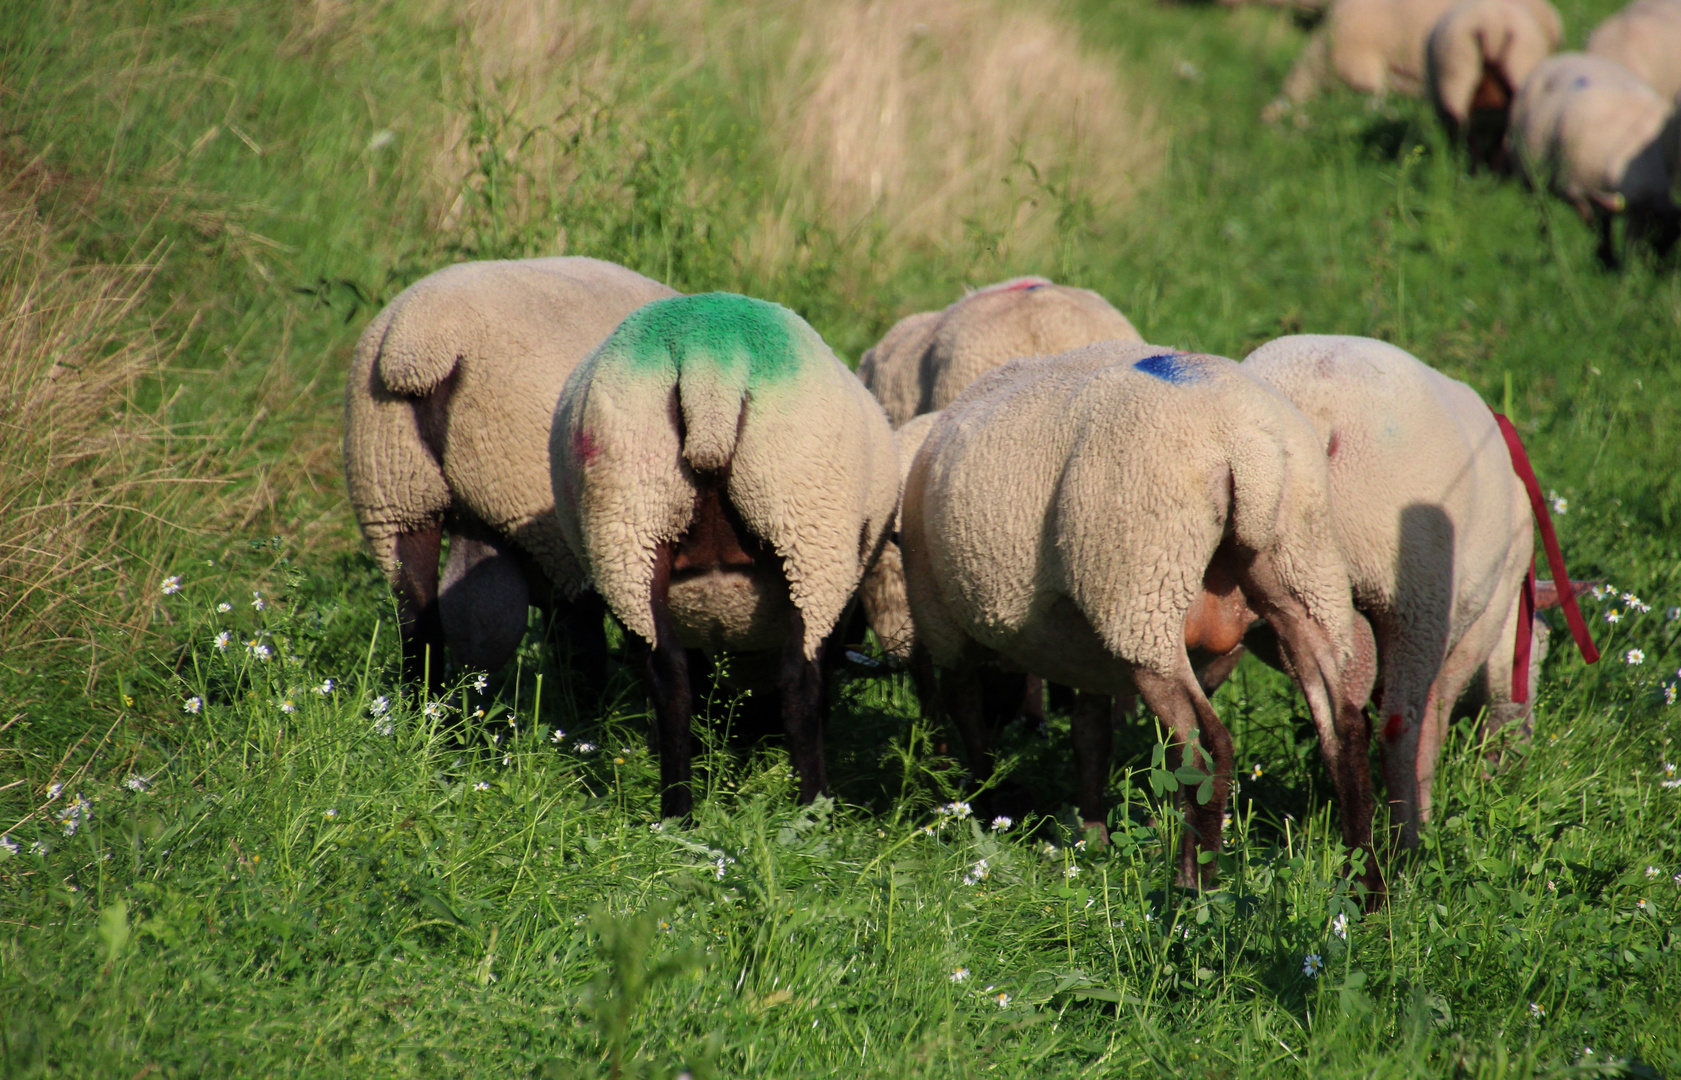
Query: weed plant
(232, 845)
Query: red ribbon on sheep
(1555, 562)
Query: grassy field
(230, 849)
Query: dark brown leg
(960, 700)
(668, 683)
(804, 708)
(1033, 701)
(1215, 673)
(1093, 731)
(585, 647)
(417, 607)
(1180, 704)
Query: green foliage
(265, 860)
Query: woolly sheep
(724, 481)
(1436, 529)
(1644, 37)
(927, 359)
(1603, 139)
(1097, 517)
(446, 426)
(1374, 46)
(882, 594)
(1477, 56)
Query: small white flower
(1049, 850)
(1634, 656)
(1001, 823)
(958, 810)
(384, 727)
(1669, 694)
(137, 783)
(586, 747)
(330, 813)
(1552, 886)
(1676, 879)
(1079, 845)
(507, 759)
(1536, 1010)
(482, 785)
(192, 705)
(223, 608)
(481, 682)
(222, 641)
(959, 975)
(379, 705)
(1560, 506)
(325, 688)
(1641, 904)
(658, 826)
(39, 847)
(1669, 769)
(1600, 592)
(1257, 772)
(1633, 601)
(257, 649)
(1003, 1001)
(1652, 871)
(257, 600)
(9, 844)
(172, 584)
(1339, 926)
(434, 709)
(1613, 616)
(718, 867)
(54, 791)
(557, 737)
(1311, 965)
(1072, 872)
(977, 873)
(286, 706)
(1673, 613)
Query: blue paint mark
(1169, 368)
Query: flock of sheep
(1601, 127)
(1058, 501)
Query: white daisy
(171, 584)
(1312, 963)
(192, 705)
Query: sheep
(1436, 530)
(927, 359)
(1100, 516)
(1599, 135)
(724, 481)
(1374, 46)
(446, 422)
(1477, 55)
(1644, 37)
(882, 593)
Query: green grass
(327, 892)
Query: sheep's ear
(1547, 595)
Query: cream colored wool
(713, 383)
(507, 333)
(1503, 38)
(882, 594)
(1595, 132)
(1373, 46)
(1433, 522)
(1063, 511)
(927, 359)
(1644, 37)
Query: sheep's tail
(419, 351)
(713, 404)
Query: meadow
(232, 846)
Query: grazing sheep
(882, 594)
(1602, 139)
(1436, 529)
(1477, 56)
(1104, 516)
(1644, 37)
(725, 481)
(446, 428)
(1374, 46)
(927, 359)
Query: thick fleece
(1073, 516)
(927, 359)
(723, 385)
(1594, 131)
(499, 339)
(1434, 525)
(1644, 37)
(882, 594)
(1373, 46)
(1480, 52)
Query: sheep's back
(892, 368)
(1644, 37)
(1578, 123)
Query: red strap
(1555, 562)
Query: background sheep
(1436, 529)
(1477, 56)
(927, 359)
(446, 425)
(725, 481)
(1604, 140)
(1102, 516)
(1644, 37)
(1374, 46)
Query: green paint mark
(713, 330)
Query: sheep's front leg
(1179, 702)
(1092, 727)
(668, 683)
(418, 620)
(804, 708)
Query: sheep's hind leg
(804, 708)
(418, 620)
(1092, 731)
(668, 683)
(1179, 702)
(483, 598)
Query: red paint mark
(1334, 442)
(1392, 730)
(584, 447)
(1025, 283)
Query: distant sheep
(1604, 140)
(926, 359)
(1477, 56)
(725, 482)
(1373, 46)
(446, 431)
(1437, 531)
(882, 594)
(1644, 37)
(1099, 517)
